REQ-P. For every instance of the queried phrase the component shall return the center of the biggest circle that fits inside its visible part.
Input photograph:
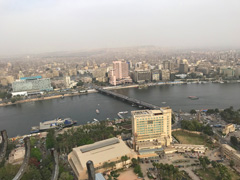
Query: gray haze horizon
(35, 26)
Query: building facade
(165, 75)
(228, 128)
(151, 130)
(119, 74)
(141, 76)
(183, 68)
(32, 84)
(155, 75)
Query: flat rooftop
(100, 152)
(150, 112)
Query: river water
(18, 119)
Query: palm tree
(112, 165)
(106, 165)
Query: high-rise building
(167, 65)
(165, 75)
(227, 71)
(151, 130)
(155, 75)
(183, 68)
(119, 74)
(67, 81)
(141, 76)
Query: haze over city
(119, 90)
(48, 26)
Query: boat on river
(193, 97)
(52, 124)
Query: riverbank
(109, 88)
(47, 98)
(89, 91)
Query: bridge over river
(128, 99)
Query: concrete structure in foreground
(231, 153)
(151, 130)
(109, 150)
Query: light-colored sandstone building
(109, 150)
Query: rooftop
(101, 151)
(150, 112)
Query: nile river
(18, 119)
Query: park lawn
(190, 138)
(212, 173)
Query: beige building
(151, 130)
(228, 128)
(109, 150)
(231, 153)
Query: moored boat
(51, 124)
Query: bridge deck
(129, 99)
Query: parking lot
(187, 161)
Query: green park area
(191, 138)
(214, 173)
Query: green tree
(35, 152)
(13, 100)
(65, 176)
(50, 139)
(80, 83)
(112, 165)
(106, 165)
(8, 171)
(193, 111)
(124, 159)
(134, 162)
(32, 173)
(232, 163)
(214, 164)
(210, 111)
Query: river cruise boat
(56, 123)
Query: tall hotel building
(119, 74)
(151, 130)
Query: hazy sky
(33, 26)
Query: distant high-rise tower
(67, 81)
(183, 68)
(119, 74)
